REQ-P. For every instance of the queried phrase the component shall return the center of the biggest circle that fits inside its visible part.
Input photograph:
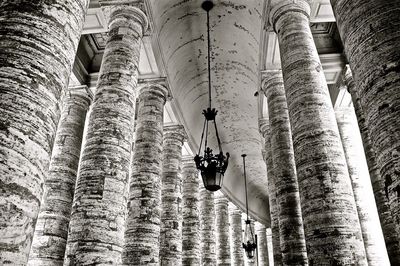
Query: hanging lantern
(211, 166)
(250, 239)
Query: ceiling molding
(95, 21)
(79, 71)
(321, 11)
(332, 64)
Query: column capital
(188, 162)
(176, 132)
(280, 8)
(158, 84)
(118, 10)
(234, 210)
(260, 227)
(220, 197)
(263, 125)
(347, 80)
(270, 76)
(82, 92)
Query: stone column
(144, 207)
(38, 47)
(378, 184)
(261, 232)
(190, 213)
(371, 229)
(207, 228)
(331, 225)
(96, 233)
(171, 197)
(370, 33)
(270, 251)
(291, 231)
(236, 231)
(222, 228)
(50, 238)
(272, 195)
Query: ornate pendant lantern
(250, 239)
(212, 166)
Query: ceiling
(243, 46)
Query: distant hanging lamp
(212, 167)
(249, 239)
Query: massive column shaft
(272, 195)
(38, 47)
(171, 197)
(331, 225)
(207, 228)
(96, 233)
(190, 213)
(144, 208)
(261, 232)
(371, 229)
(370, 31)
(293, 245)
(222, 228)
(50, 239)
(378, 184)
(235, 220)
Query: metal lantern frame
(211, 166)
(250, 247)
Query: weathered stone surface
(171, 197)
(190, 213)
(273, 206)
(50, 238)
(207, 228)
(222, 229)
(370, 32)
(38, 45)
(235, 220)
(144, 208)
(378, 184)
(293, 245)
(263, 259)
(270, 250)
(374, 243)
(96, 232)
(331, 225)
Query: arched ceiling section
(180, 26)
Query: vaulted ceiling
(243, 45)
